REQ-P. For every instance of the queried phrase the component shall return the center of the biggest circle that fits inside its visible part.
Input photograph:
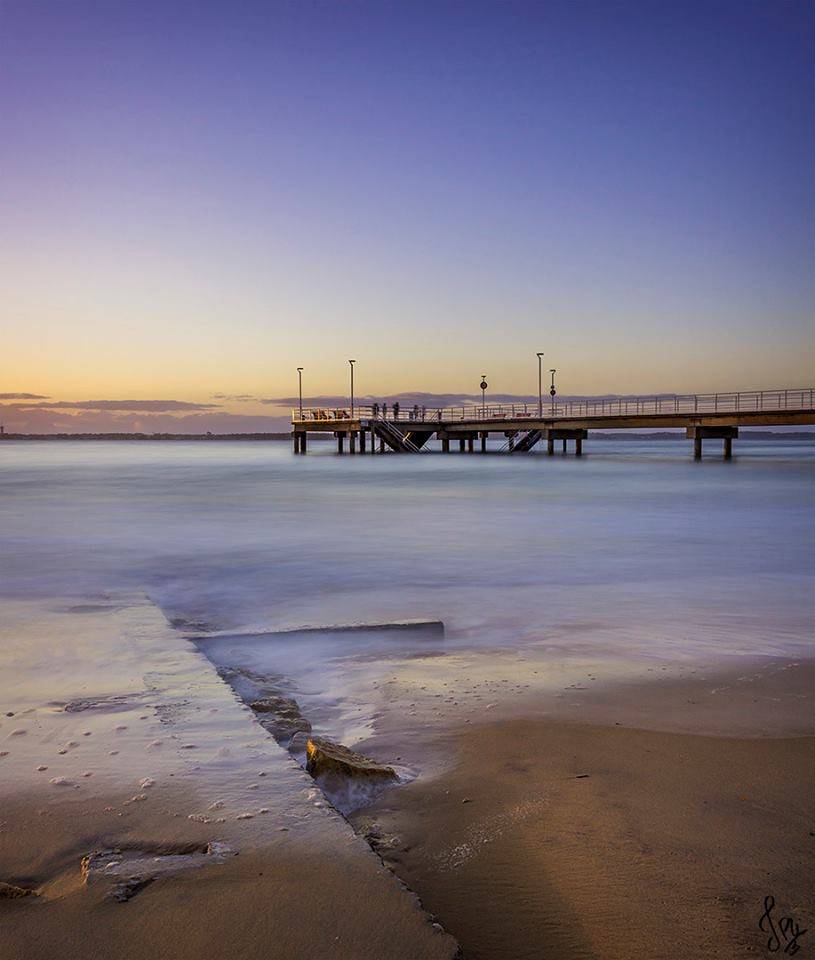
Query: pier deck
(521, 426)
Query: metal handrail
(504, 448)
(396, 435)
(745, 401)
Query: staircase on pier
(521, 441)
(525, 444)
(395, 439)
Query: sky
(199, 197)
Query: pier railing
(741, 402)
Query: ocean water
(551, 574)
(633, 548)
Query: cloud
(181, 417)
(154, 406)
(22, 396)
(409, 397)
(231, 396)
(423, 399)
(47, 420)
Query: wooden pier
(381, 428)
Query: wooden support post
(445, 444)
(484, 442)
(550, 445)
(578, 447)
(362, 441)
(352, 441)
(697, 446)
(340, 439)
(381, 445)
(728, 448)
(564, 446)
(303, 436)
(461, 443)
(470, 444)
(296, 440)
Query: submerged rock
(348, 779)
(113, 703)
(10, 891)
(129, 870)
(123, 891)
(278, 713)
(281, 716)
(324, 758)
(185, 623)
(298, 744)
(251, 680)
(283, 706)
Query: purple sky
(198, 197)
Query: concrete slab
(115, 731)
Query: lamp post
(300, 389)
(351, 364)
(484, 386)
(540, 386)
(552, 390)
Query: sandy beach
(647, 817)
(605, 839)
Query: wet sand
(123, 738)
(549, 837)
(563, 805)
(279, 900)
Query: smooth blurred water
(634, 547)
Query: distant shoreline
(146, 436)
(769, 435)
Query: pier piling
(726, 433)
